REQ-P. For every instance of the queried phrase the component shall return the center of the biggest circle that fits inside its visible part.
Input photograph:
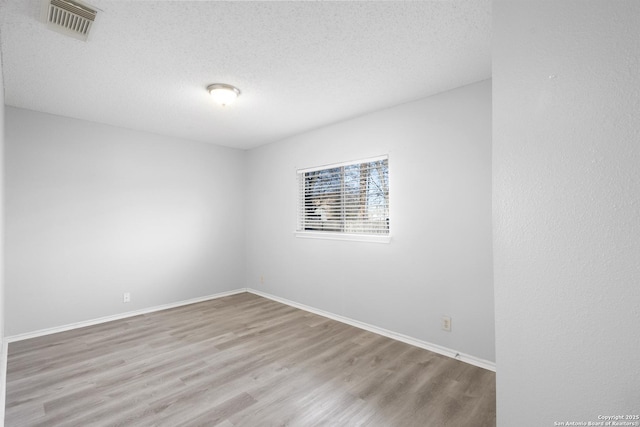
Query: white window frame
(336, 235)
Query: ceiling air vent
(69, 17)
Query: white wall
(1, 204)
(2, 354)
(439, 261)
(567, 202)
(94, 211)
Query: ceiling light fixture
(223, 93)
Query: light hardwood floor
(241, 360)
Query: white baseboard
(463, 357)
(63, 328)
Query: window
(348, 199)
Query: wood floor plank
(242, 361)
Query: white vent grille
(70, 17)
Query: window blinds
(351, 198)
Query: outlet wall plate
(446, 323)
(126, 297)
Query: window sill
(343, 236)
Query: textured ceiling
(300, 65)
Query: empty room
(320, 213)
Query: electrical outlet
(126, 297)
(261, 280)
(446, 323)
